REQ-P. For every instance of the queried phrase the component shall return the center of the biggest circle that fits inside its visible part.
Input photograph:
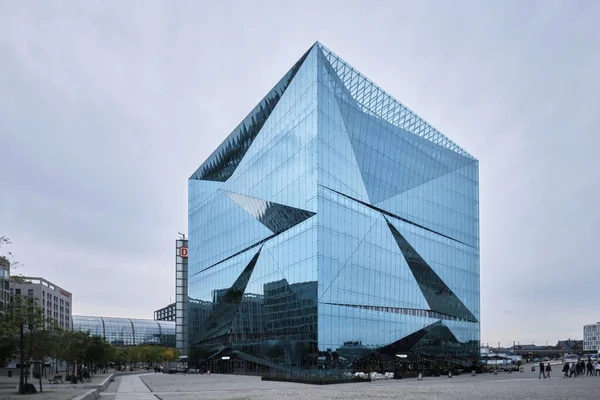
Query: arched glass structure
(126, 331)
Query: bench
(56, 379)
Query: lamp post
(21, 345)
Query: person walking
(548, 370)
(573, 370)
(590, 369)
(597, 368)
(581, 370)
(566, 369)
(542, 371)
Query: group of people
(545, 370)
(573, 370)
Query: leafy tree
(169, 355)
(135, 355)
(73, 348)
(9, 337)
(152, 354)
(19, 330)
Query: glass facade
(127, 332)
(333, 226)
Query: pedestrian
(542, 371)
(597, 368)
(548, 370)
(590, 369)
(566, 369)
(573, 368)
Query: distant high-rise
(55, 302)
(331, 228)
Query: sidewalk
(131, 387)
(11, 385)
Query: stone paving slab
(131, 387)
(517, 385)
(46, 395)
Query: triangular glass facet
(375, 101)
(438, 295)
(375, 137)
(277, 217)
(338, 168)
(220, 320)
(222, 162)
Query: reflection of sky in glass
(392, 251)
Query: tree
(9, 337)
(21, 322)
(135, 355)
(14, 264)
(170, 354)
(73, 348)
(152, 354)
(97, 350)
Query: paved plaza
(487, 386)
(517, 385)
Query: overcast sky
(106, 108)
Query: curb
(67, 386)
(106, 382)
(89, 395)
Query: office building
(333, 220)
(127, 331)
(54, 301)
(4, 283)
(166, 313)
(591, 337)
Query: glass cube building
(332, 228)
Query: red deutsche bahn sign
(183, 252)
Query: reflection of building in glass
(127, 331)
(333, 220)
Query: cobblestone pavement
(520, 386)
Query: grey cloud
(107, 108)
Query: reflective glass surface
(94, 325)
(127, 332)
(348, 226)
